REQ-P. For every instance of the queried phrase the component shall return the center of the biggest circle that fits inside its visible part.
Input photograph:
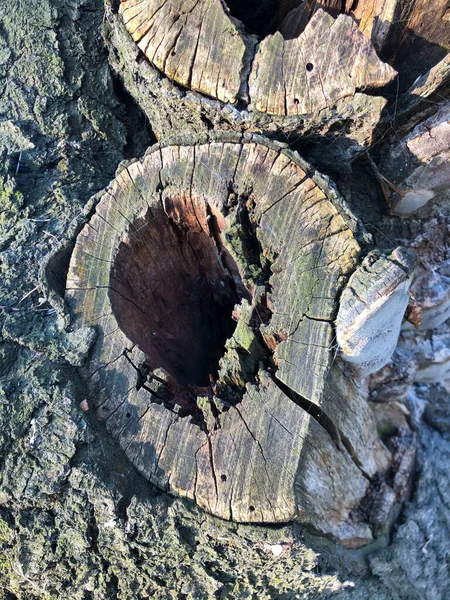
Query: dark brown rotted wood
(232, 248)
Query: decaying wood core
(174, 286)
(172, 292)
(259, 16)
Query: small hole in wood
(223, 477)
(173, 290)
(251, 508)
(309, 67)
(296, 101)
(128, 415)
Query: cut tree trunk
(287, 85)
(252, 418)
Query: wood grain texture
(195, 43)
(417, 162)
(300, 442)
(330, 60)
(406, 33)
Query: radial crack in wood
(212, 275)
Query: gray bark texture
(80, 105)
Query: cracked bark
(69, 122)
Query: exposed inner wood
(194, 43)
(199, 46)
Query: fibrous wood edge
(270, 460)
(402, 31)
(173, 111)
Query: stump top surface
(199, 45)
(211, 274)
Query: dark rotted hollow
(260, 17)
(173, 290)
(264, 17)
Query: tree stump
(254, 81)
(296, 76)
(211, 274)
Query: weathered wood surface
(202, 48)
(411, 35)
(300, 443)
(329, 61)
(372, 308)
(194, 43)
(76, 519)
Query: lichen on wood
(76, 519)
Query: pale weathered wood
(197, 45)
(411, 35)
(372, 308)
(194, 43)
(329, 61)
(295, 439)
(294, 15)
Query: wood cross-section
(198, 44)
(211, 274)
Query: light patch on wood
(372, 308)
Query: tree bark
(283, 430)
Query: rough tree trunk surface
(77, 97)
